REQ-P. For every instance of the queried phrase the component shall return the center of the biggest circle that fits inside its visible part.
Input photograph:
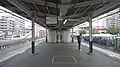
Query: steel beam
(22, 8)
(76, 15)
(83, 4)
(87, 3)
(50, 4)
(108, 7)
(19, 6)
(26, 10)
(43, 14)
(40, 2)
(63, 8)
(12, 14)
(41, 21)
(82, 20)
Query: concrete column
(51, 36)
(66, 36)
(90, 35)
(33, 34)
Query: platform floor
(61, 55)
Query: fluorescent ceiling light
(65, 21)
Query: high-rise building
(12, 26)
(113, 21)
(6, 26)
(19, 27)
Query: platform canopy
(60, 14)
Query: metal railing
(9, 43)
(109, 42)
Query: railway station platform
(61, 55)
(59, 17)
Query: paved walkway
(61, 55)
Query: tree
(82, 32)
(113, 30)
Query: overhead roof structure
(52, 13)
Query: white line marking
(74, 59)
(64, 62)
(53, 59)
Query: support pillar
(72, 36)
(33, 34)
(90, 35)
(66, 36)
(46, 36)
(51, 36)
